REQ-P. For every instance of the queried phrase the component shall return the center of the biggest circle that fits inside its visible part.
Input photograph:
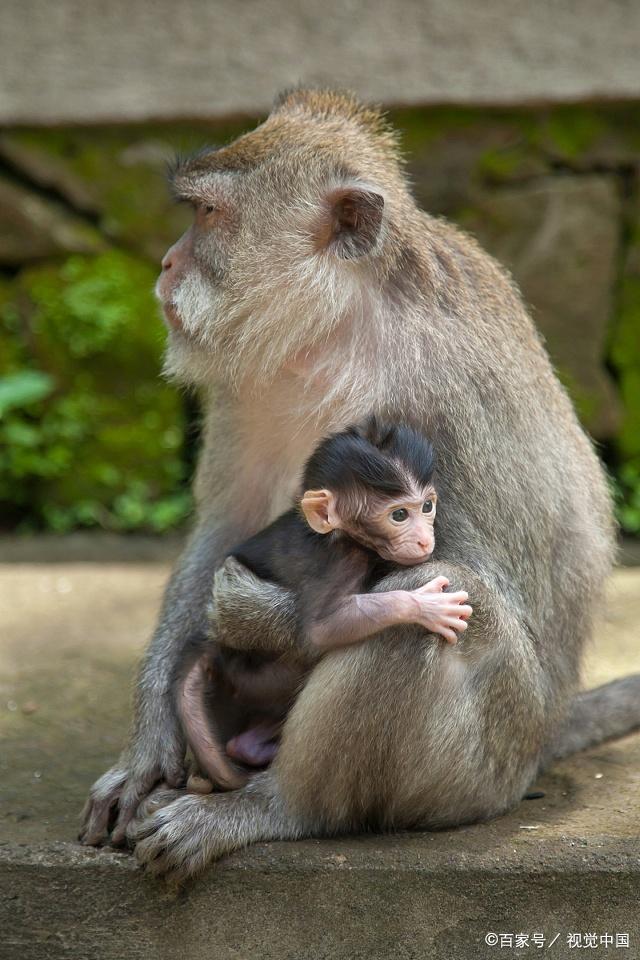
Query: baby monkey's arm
(363, 614)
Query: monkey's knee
(331, 760)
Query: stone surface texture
(32, 228)
(559, 237)
(79, 61)
(71, 635)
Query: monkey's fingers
(461, 596)
(437, 585)
(456, 623)
(98, 810)
(448, 633)
(136, 790)
(462, 610)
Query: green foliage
(625, 356)
(627, 497)
(21, 389)
(89, 434)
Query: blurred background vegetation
(91, 436)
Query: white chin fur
(196, 302)
(186, 361)
(189, 354)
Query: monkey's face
(192, 285)
(401, 530)
(290, 222)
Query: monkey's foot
(115, 796)
(170, 835)
(176, 834)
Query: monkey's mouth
(172, 317)
(412, 561)
(407, 561)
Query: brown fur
(289, 343)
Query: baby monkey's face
(398, 530)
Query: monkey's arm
(156, 748)
(362, 615)
(252, 613)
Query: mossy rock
(625, 356)
(553, 234)
(115, 175)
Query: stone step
(565, 863)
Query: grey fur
(402, 730)
(608, 711)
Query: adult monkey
(309, 292)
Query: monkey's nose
(166, 263)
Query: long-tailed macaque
(368, 506)
(309, 291)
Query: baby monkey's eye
(209, 209)
(400, 515)
(427, 506)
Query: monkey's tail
(609, 711)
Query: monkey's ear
(319, 508)
(352, 222)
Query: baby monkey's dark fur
(366, 470)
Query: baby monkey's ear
(319, 508)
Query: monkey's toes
(100, 809)
(170, 842)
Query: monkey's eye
(400, 515)
(427, 506)
(209, 208)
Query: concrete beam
(86, 61)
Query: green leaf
(21, 389)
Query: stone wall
(87, 61)
(84, 219)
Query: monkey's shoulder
(288, 552)
(280, 549)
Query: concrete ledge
(383, 897)
(567, 862)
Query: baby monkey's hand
(440, 612)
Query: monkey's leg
(196, 723)
(248, 613)
(388, 733)
(156, 749)
(177, 835)
(402, 730)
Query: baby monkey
(369, 505)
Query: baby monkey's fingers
(449, 635)
(437, 585)
(461, 596)
(450, 627)
(462, 610)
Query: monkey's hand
(250, 613)
(115, 796)
(439, 612)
